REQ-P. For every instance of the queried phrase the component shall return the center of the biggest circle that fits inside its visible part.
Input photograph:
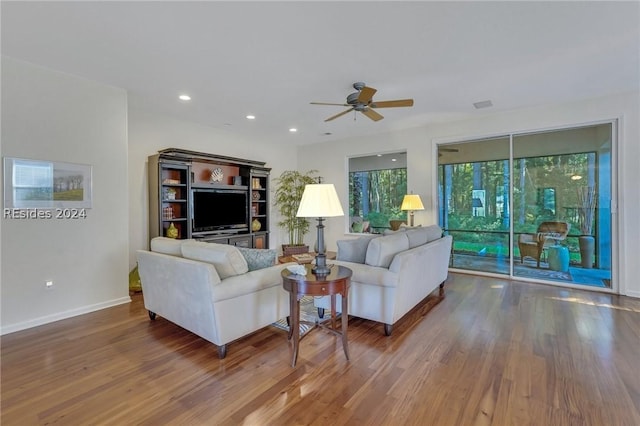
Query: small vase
(172, 231)
(587, 249)
(256, 225)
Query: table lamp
(411, 202)
(320, 200)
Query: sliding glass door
(535, 205)
(474, 202)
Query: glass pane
(377, 185)
(561, 197)
(473, 186)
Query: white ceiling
(271, 59)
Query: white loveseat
(210, 289)
(392, 273)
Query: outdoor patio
(528, 269)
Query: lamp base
(324, 270)
(321, 268)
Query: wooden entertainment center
(208, 197)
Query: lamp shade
(320, 200)
(412, 202)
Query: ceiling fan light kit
(362, 101)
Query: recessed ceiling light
(393, 159)
(293, 130)
(483, 104)
(379, 155)
(251, 117)
(184, 97)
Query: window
(559, 182)
(377, 185)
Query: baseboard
(633, 294)
(62, 315)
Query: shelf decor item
(170, 194)
(256, 225)
(172, 231)
(217, 175)
(167, 213)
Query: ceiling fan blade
(372, 114)
(392, 104)
(366, 94)
(339, 115)
(327, 103)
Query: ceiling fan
(362, 101)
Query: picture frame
(46, 184)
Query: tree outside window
(377, 185)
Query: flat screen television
(219, 210)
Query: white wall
(330, 159)
(48, 115)
(149, 133)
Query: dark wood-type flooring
(490, 352)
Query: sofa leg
(152, 315)
(441, 285)
(388, 328)
(222, 351)
(320, 312)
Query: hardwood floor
(491, 352)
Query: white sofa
(210, 289)
(392, 273)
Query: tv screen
(219, 209)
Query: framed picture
(46, 184)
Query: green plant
(289, 188)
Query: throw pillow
(225, 258)
(258, 258)
(353, 250)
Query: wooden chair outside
(548, 234)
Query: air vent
(483, 104)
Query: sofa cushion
(423, 235)
(434, 233)
(417, 236)
(227, 259)
(382, 250)
(353, 250)
(258, 258)
(167, 245)
(391, 232)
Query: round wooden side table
(336, 282)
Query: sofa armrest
(179, 290)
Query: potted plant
(288, 193)
(586, 213)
